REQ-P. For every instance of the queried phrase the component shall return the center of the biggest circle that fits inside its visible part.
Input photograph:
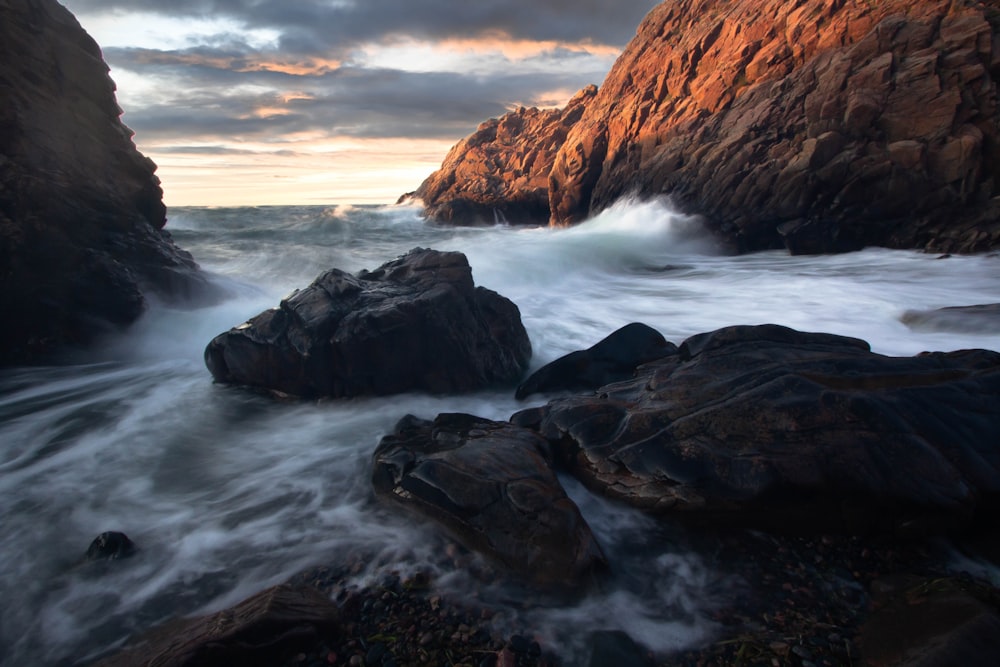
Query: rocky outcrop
(500, 173)
(983, 318)
(81, 212)
(823, 125)
(491, 484)
(764, 425)
(819, 125)
(417, 323)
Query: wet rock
(799, 431)
(82, 244)
(614, 647)
(110, 545)
(612, 359)
(932, 622)
(491, 485)
(417, 323)
(262, 630)
(967, 319)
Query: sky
(257, 102)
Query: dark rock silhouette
(82, 245)
(417, 323)
(489, 483)
(612, 359)
(984, 318)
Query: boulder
(82, 244)
(490, 484)
(612, 359)
(500, 173)
(768, 426)
(417, 323)
(265, 629)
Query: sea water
(226, 492)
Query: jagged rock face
(81, 211)
(417, 323)
(500, 173)
(489, 483)
(764, 425)
(821, 124)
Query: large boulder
(491, 485)
(769, 426)
(500, 173)
(417, 323)
(82, 244)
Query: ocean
(226, 492)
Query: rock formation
(491, 484)
(417, 323)
(612, 359)
(823, 125)
(500, 173)
(767, 426)
(81, 211)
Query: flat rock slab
(262, 630)
(417, 323)
(767, 425)
(491, 485)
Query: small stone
(426, 638)
(356, 661)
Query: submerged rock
(612, 359)
(110, 545)
(770, 426)
(967, 319)
(82, 245)
(491, 485)
(417, 323)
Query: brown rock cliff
(500, 173)
(824, 125)
(81, 211)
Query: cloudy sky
(336, 101)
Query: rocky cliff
(82, 244)
(824, 125)
(501, 172)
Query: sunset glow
(260, 103)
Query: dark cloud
(310, 25)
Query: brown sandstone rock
(821, 125)
(824, 125)
(500, 173)
(81, 211)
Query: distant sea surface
(226, 492)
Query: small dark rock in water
(111, 545)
